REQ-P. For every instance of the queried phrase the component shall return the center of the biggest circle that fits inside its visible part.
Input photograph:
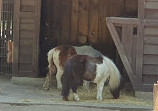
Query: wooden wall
(149, 17)
(80, 22)
(26, 37)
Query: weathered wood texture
(26, 37)
(155, 97)
(128, 46)
(150, 58)
(75, 22)
(80, 22)
(139, 51)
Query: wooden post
(155, 98)
(10, 52)
(0, 10)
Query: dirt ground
(10, 93)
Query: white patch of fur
(115, 76)
(103, 72)
(53, 56)
(87, 50)
(59, 69)
(76, 98)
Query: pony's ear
(83, 59)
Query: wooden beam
(121, 20)
(0, 10)
(121, 52)
(16, 36)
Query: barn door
(26, 37)
(129, 43)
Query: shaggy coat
(57, 58)
(97, 70)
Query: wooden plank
(124, 21)
(139, 55)
(28, 2)
(57, 16)
(27, 21)
(116, 8)
(93, 21)
(25, 67)
(26, 50)
(103, 34)
(147, 87)
(151, 5)
(26, 42)
(27, 15)
(127, 37)
(16, 36)
(150, 59)
(150, 69)
(151, 40)
(150, 49)
(27, 8)
(151, 0)
(65, 21)
(1, 6)
(149, 79)
(122, 53)
(130, 8)
(151, 30)
(83, 18)
(155, 96)
(28, 27)
(26, 34)
(151, 14)
(25, 58)
(27, 5)
(150, 22)
(35, 58)
(134, 49)
(74, 21)
(141, 9)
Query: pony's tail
(114, 80)
(51, 65)
(66, 81)
(51, 70)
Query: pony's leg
(86, 84)
(74, 86)
(100, 86)
(58, 77)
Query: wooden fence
(6, 33)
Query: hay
(125, 97)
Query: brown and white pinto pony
(97, 70)
(57, 58)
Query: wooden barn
(117, 28)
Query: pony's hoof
(65, 99)
(46, 89)
(99, 99)
(76, 98)
(59, 87)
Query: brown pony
(57, 58)
(97, 70)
